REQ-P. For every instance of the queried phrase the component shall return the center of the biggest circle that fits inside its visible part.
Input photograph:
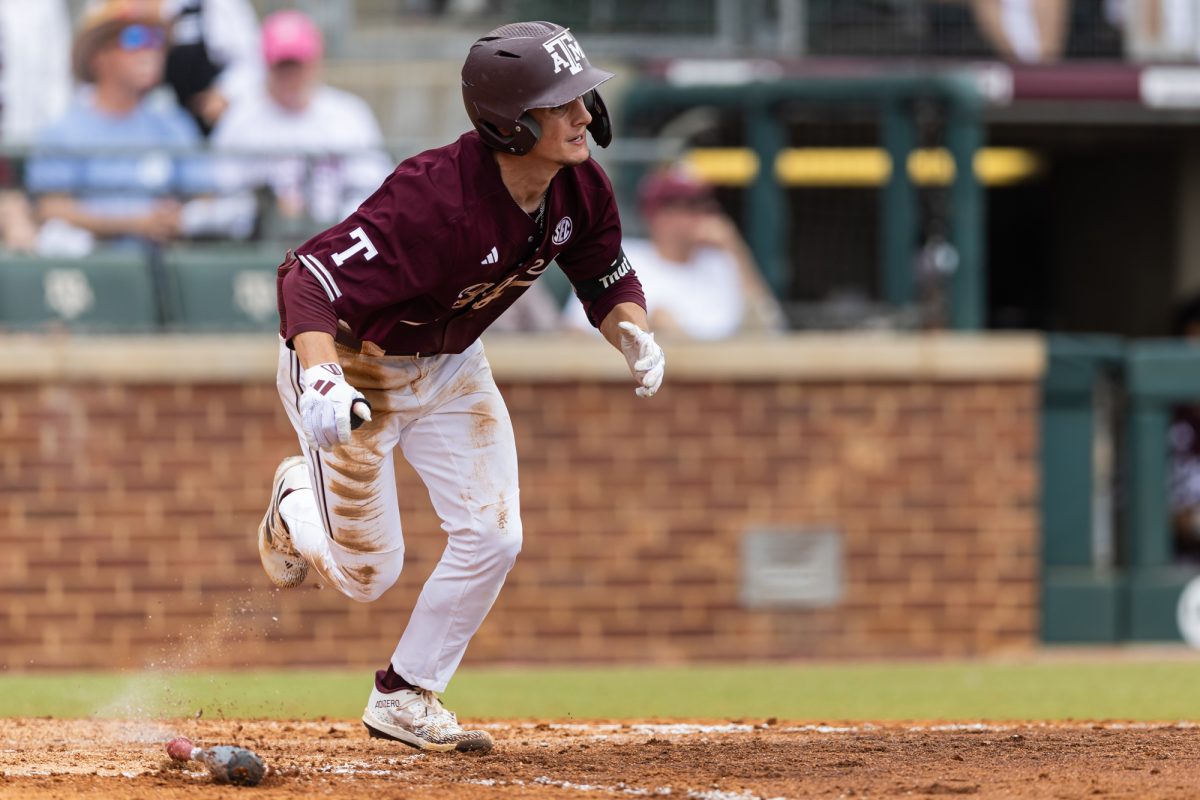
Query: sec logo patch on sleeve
(562, 231)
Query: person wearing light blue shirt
(117, 163)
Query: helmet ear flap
(601, 124)
(526, 135)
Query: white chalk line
(625, 789)
(368, 768)
(614, 730)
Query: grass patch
(851, 692)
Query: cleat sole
(467, 746)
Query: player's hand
(327, 404)
(645, 357)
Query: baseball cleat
(284, 566)
(417, 718)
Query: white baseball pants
(450, 422)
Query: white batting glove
(645, 357)
(326, 404)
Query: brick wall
(128, 508)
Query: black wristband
(591, 288)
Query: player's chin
(577, 155)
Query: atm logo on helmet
(565, 52)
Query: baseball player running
(380, 318)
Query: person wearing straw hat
(112, 166)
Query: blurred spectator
(18, 228)
(214, 55)
(1024, 30)
(336, 148)
(1158, 29)
(35, 76)
(1184, 447)
(35, 86)
(699, 276)
(106, 168)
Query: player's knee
(366, 594)
(503, 539)
(369, 581)
(508, 547)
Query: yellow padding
(860, 166)
(724, 166)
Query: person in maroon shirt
(380, 318)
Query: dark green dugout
(107, 293)
(1160, 375)
(1133, 592)
(1083, 585)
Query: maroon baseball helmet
(527, 65)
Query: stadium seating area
(402, 57)
(198, 289)
(213, 288)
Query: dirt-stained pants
(451, 424)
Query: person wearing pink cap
(328, 146)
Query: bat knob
(359, 416)
(180, 748)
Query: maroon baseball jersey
(442, 249)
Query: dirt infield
(742, 760)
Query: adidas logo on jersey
(492, 257)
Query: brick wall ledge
(802, 356)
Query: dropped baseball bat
(226, 764)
